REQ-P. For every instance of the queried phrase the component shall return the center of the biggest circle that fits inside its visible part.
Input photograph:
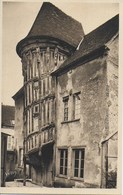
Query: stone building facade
(70, 98)
(7, 127)
(19, 99)
(3, 157)
(87, 94)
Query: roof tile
(94, 40)
(8, 115)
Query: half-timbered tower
(53, 37)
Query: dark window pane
(66, 171)
(76, 163)
(61, 162)
(66, 162)
(81, 173)
(66, 103)
(66, 154)
(66, 119)
(76, 154)
(66, 114)
(61, 170)
(82, 163)
(75, 172)
(62, 153)
(83, 153)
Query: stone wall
(89, 79)
(19, 131)
(112, 82)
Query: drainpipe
(24, 161)
(104, 164)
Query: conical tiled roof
(54, 23)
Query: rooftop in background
(19, 94)
(52, 22)
(7, 116)
(93, 41)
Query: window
(32, 142)
(36, 84)
(63, 161)
(29, 144)
(9, 142)
(76, 105)
(36, 140)
(35, 120)
(36, 90)
(78, 164)
(36, 109)
(30, 72)
(35, 65)
(44, 87)
(29, 95)
(65, 100)
(48, 114)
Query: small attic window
(12, 122)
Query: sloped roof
(18, 94)
(54, 23)
(7, 115)
(93, 41)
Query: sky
(17, 20)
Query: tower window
(36, 90)
(36, 109)
(35, 121)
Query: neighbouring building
(18, 98)
(70, 118)
(3, 157)
(87, 110)
(7, 128)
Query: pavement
(20, 184)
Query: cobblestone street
(20, 184)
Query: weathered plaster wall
(90, 79)
(36, 176)
(112, 81)
(18, 126)
(42, 174)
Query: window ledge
(62, 176)
(77, 179)
(75, 120)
